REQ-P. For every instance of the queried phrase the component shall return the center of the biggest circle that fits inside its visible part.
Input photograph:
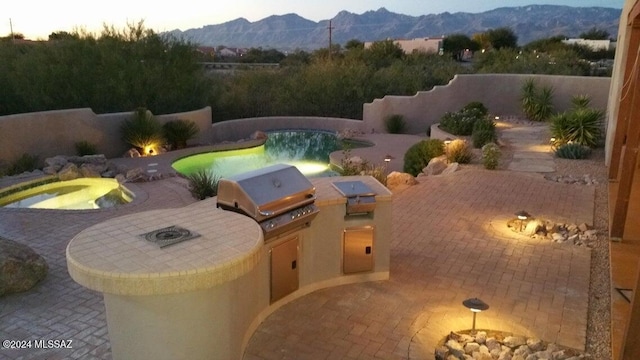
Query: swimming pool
(308, 150)
(78, 194)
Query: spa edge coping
(111, 257)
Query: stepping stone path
(530, 145)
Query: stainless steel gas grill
(278, 197)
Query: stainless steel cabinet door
(358, 249)
(284, 269)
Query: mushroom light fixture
(475, 305)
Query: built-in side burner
(360, 198)
(169, 235)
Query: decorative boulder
(135, 174)
(397, 180)
(91, 171)
(20, 267)
(69, 172)
(57, 162)
(132, 153)
(435, 167)
(451, 168)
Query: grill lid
(272, 183)
(267, 192)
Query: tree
(457, 44)
(383, 53)
(595, 34)
(354, 44)
(502, 37)
(482, 39)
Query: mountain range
(290, 31)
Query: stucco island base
(203, 298)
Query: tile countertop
(113, 257)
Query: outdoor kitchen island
(195, 282)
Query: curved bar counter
(204, 297)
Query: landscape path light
(447, 141)
(475, 305)
(522, 216)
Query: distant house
(206, 50)
(595, 45)
(427, 45)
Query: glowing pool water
(307, 150)
(78, 194)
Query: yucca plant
(178, 132)
(560, 127)
(585, 126)
(203, 184)
(395, 124)
(572, 151)
(142, 130)
(580, 101)
(537, 105)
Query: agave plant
(573, 151)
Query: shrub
(142, 130)
(178, 132)
(491, 156)
(537, 104)
(459, 151)
(573, 151)
(85, 148)
(461, 123)
(581, 125)
(395, 124)
(482, 137)
(349, 168)
(477, 105)
(419, 155)
(24, 163)
(457, 123)
(203, 184)
(484, 131)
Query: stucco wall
(500, 93)
(51, 133)
(232, 130)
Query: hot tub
(78, 194)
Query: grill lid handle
(266, 212)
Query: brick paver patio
(450, 243)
